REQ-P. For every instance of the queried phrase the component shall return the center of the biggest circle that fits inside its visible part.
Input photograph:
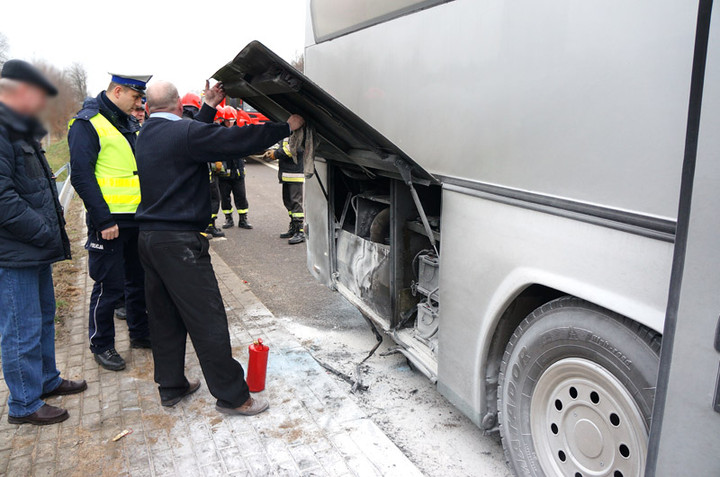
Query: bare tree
(64, 105)
(4, 49)
(78, 77)
(299, 62)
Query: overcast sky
(168, 39)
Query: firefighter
(292, 178)
(232, 182)
(214, 169)
(191, 105)
(102, 154)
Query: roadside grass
(58, 154)
(66, 274)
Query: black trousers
(183, 298)
(236, 188)
(214, 195)
(292, 194)
(115, 267)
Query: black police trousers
(236, 188)
(115, 267)
(184, 299)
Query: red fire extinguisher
(257, 366)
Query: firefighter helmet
(219, 112)
(191, 99)
(229, 113)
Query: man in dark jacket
(32, 238)
(104, 173)
(182, 291)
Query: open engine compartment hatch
(276, 89)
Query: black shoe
(45, 415)
(243, 223)
(121, 313)
(292, 230)
(66, 387)
(141, 343)
(297, 238)
(229, 223)
(214, 231)
(110, 360)
(192, 387)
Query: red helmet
(229, 113)
(191, 99)
(220, 111)
(243, 118)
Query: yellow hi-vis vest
(116, 169)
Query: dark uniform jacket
(232, 169)
(172, 158)
(84, 149)
(32, 227)
(286, 164)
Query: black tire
(570, 328)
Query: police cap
(135, 82)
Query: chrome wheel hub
(585, 423)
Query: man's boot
(299, 236)
(243, 223)
(229, 223)
(214, 231)
(291, 231)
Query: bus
(520, 244)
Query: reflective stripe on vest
(115, 169)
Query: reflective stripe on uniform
(226, 212)
(242, 211)
(297, 215)
(286, 148)
(293, 177)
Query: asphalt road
(402, 402)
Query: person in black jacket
(182, 291)
(32, 238)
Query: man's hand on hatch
(214, 95)
(111, 233)
(295, 122)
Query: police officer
(292, 178)
(102, 154)
(232, 182)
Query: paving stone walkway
(312, 428)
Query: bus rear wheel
(576, 392)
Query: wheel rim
(584, 422)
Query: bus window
(333, 18)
